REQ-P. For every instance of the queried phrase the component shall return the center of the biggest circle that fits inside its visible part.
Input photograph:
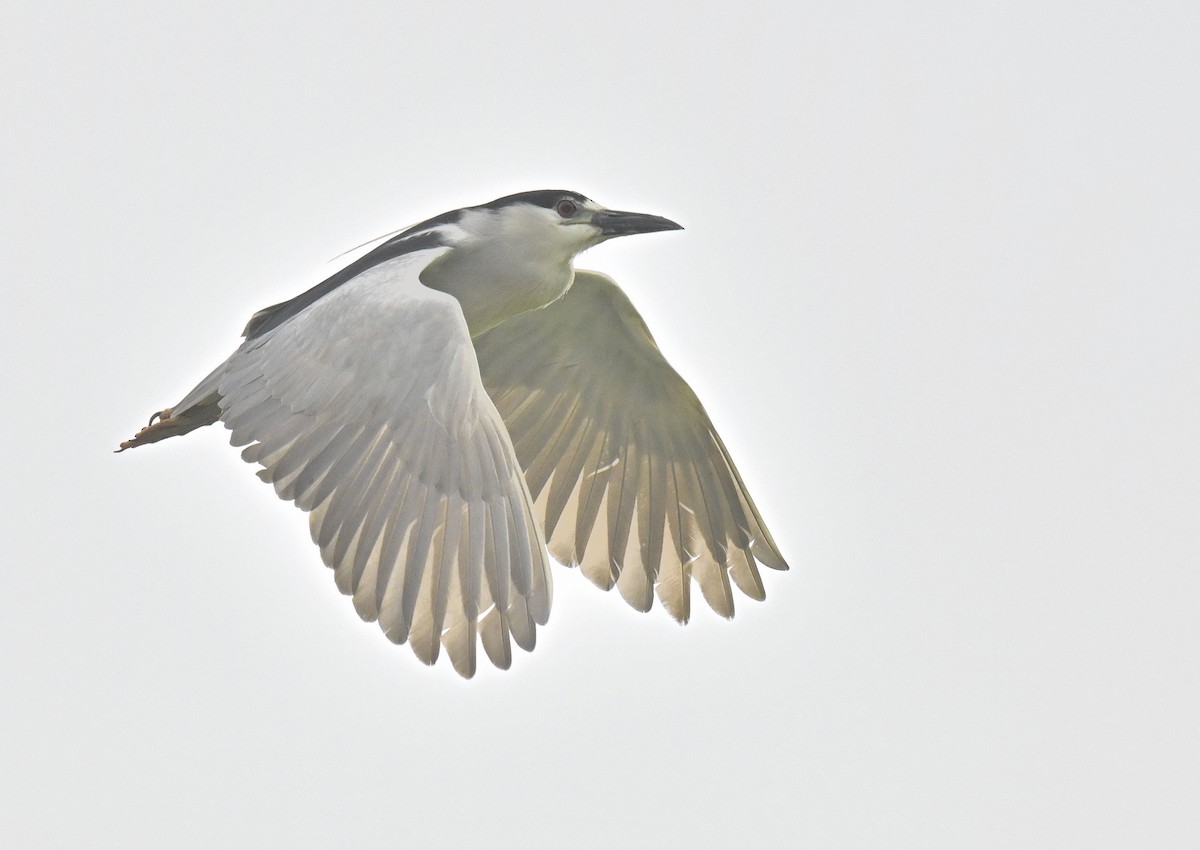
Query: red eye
(566, 208)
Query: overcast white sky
(938, 290)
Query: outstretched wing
(366, 409)
(629, 478)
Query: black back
(416, 238)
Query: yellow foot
(150, 434)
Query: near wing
(366, 409)
(628, 475)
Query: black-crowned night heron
(459, 397)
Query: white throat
(506, 262)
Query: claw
(159, 417)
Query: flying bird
(459, 399)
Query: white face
(549, 235)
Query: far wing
(366, 409)
(629, 477)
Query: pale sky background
(939, 290)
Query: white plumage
(460, 395)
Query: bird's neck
(493, 286)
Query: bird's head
(553, 223)
(514, 254)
